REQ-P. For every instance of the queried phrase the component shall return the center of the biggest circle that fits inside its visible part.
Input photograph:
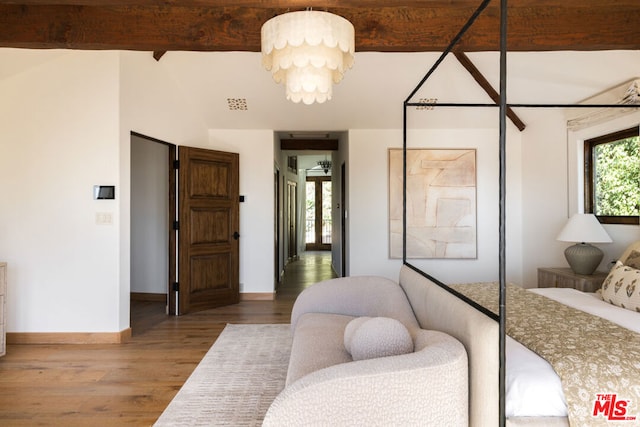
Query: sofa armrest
(355, 296)
(426, 387)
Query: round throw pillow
(380, 337)
(351, 328)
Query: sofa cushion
(378, 337)
(355, 296)
(318, 342)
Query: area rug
(236, 381)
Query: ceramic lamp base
(583, 258)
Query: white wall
(255, 148)
(65, 125)
(59, 137)
(552, 189)
(368, 201)
(152, 104)
(149, 216)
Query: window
(612, 177)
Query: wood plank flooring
(132, 383)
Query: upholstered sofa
(338, 376)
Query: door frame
(343, 218)
(171, 217)
(319, 181)
(292, 220)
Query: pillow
(633, 260)
(622, 287)
(351, 328)
(377, 337)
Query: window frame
(589, 190)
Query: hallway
(312, 267)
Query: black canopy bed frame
(503, 108)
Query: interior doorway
(310, 223)
(152, 259)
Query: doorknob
(236, 235)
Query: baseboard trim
(69, 337)
(257, 296)
(144, 296)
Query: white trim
(627, 93)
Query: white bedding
(532, 386)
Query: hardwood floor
(132, 383)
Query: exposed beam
(484, 84)
(309, 144)
(224, 25)
(158, 54)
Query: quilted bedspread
(597, 360)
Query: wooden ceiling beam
(484, 84)
(408, 26)
(157, 54)
(309, 144)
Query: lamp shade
(308, 51)
(584, 228)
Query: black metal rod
(452, 291)
(449, 48)
(471, 104)
(574, 105)
(503, 209)
(404, 183)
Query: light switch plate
(104, 218)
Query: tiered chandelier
(308, 51)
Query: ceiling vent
(237, 104)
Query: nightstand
(566, 278)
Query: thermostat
(104, 192)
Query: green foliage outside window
(617, 177)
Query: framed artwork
(441, 203)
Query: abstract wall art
(441, 203)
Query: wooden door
(292, 220)
(208, 248)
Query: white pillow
(377, 337)
(351, 328)
(622, 287)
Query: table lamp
(583, 229)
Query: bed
(533, 389)
(534, 393)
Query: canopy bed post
(502, 219)
(500, 316)
(502, 145)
